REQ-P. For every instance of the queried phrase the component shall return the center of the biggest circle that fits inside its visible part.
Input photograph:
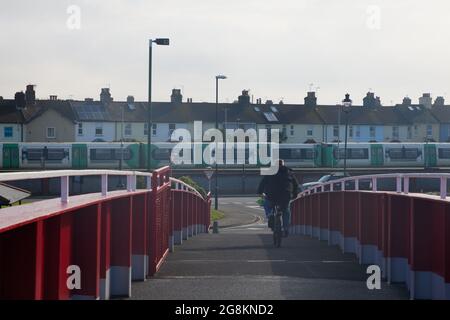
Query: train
(133, 155)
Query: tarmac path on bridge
(240, 262)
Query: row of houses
(27, 119)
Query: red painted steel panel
(421, 237)
(335, 211)
(315, 210)
(369, 219)
(58, 256)
(86, 249)
(323, 214)
(139, 225)
(121, 228)
(350, 214)
(21, 263)
(399, 226)
(105, 257)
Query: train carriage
(45, 155)
(113, 155)
(404, 154)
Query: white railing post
(129, 183)
(343, 185)
(443, 187)
(65, 189)
(357, 184)
(149, 182)
(406, 185)
(399, 184)
(374, 184)
(331, 186)
(104, 185)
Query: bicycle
(277, 227)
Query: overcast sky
(275, 48)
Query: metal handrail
(401, 179)
(64, 175)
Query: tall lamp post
(216, 189)
(160, 42)
(346, 103)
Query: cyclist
(279, 189)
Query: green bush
(193, 184)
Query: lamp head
(162, 41)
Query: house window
(429, 131)
(358, 131)
(372, 132)
(310, 131)
(292, 130)
(350, 131)
(8, 132)
(145, 129)
(98, 129)
(51, 132)
(80, 129)
(336, 131)
(128, 130)
(172, 127)
(409, 133)
(154, 127)
(395, 133)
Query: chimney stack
(311, 99)
(30, 95)
(53, 97)
(426, 100)
(20, 100)
(407, 101)
(244, 98)
(176, 96)
(105, 96)
(439, 102)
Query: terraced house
(26, 118)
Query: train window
(109, 154)
(353, 153)
(297, 154)
(161, 154)
(37, 154)
(403, 153)
(126, 154)
(444, 153)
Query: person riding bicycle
(279, 190)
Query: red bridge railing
(407, 235)
(93, 245)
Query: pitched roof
(360, 115)
(441, 113)
(416, 114)
(9, 112)
(62, 107)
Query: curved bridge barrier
(92, 246)
(406, 235)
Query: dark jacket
(281, 187)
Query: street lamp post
(216, 189)
(347, 103)
(160, 42)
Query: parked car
(325, 179)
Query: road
(240, 262)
